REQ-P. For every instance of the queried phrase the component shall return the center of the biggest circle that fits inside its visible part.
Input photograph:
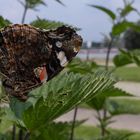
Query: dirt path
(131, 87)
(130, 122)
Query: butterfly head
(66, 43)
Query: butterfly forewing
(30, 56)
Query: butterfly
(31, 56)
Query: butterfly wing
(21, 50)
(30, 56)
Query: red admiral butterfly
(30, 56)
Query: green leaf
(18, 107)
(136, 60)
(32, 4)
(4, 22)
(62, 94)
(105, 10)
(48, 24)
(128, 8)
(98, 101)
(54, 131)
(4, 137)
(122, 59)
(123, 105)
(60, 2)
(79, 66)
(127, 57)
(121, 27)
(135, 56)
(5, 122)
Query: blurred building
(96, 50)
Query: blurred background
(111, 42)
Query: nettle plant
(108, 103)
(79, 83)
(34, 119)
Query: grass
(91, 132)
(128, 73)
(86, 132)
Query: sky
(93, 22)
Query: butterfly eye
(58, 44)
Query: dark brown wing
(21, 50)
(25, 50)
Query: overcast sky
(76, 12)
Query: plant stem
(20, 134)
(103, 130)
(108, 52)
(73, 123)
(14, 133)
(101, 121)
(88, 51)
(27, 136)
(103, 127)
(24, 13)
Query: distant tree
(32, 4)
(132, 39)
(115, 43)
(95, 44)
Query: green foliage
(122, 59)
(127, 57)
(48, 24)
(53, 131)
(5, 123)
(67, 90)
(122, 105)
(4, 137)
(128, 73)
(82, 67)
(31, 4)
(127, 10)
(4, 22)
(60, 2)
(99, 101)
(85, 132)
(105, 10)
(121, 27)
(58, 96)
(120, 24)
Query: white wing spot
(63, 60)
(58, 44)
(75, 50)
